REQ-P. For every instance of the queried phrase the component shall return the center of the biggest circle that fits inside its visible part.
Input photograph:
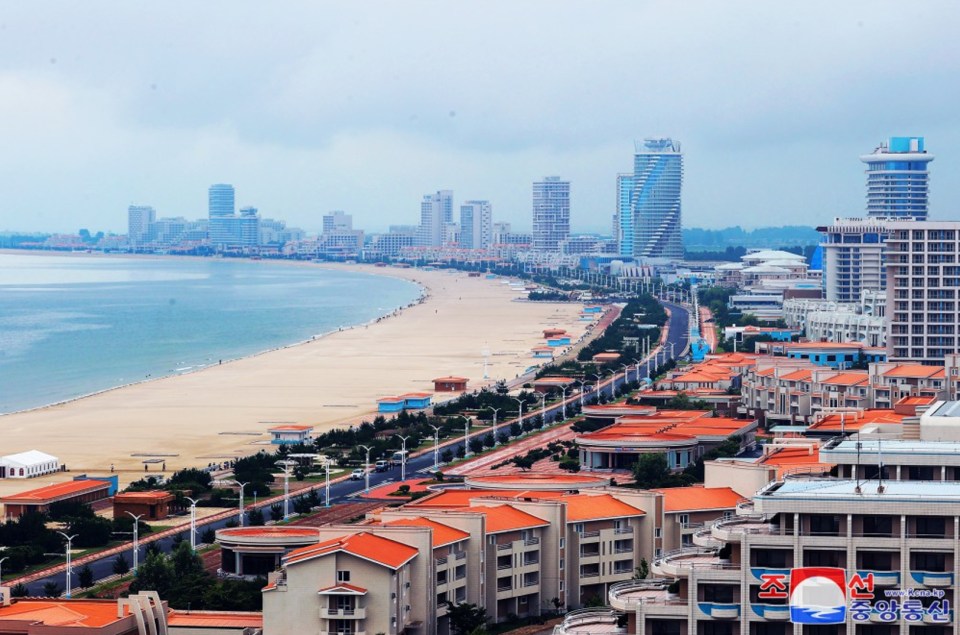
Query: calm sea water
(70, 326)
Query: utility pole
(136, 539)
(193, 522)
(69, 548)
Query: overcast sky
(367, 106)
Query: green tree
(466, 617)
(522, 462)
(120, 565)
(85, 575)
(651, 470)
(641, 572)
(255, 516)
(51, 590)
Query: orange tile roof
(847, 379)
(57, 491)
(363, 545)
(462, 497)
(416, 395)
(914, 371)
(215, 619)
(143, 497)
(451, 378)
(442, 534)
(502, 518)
(582, 507)
(803, 374)
(63, 613)
(787, 459)
(698, 498)
(917, 400)
(851, 422)
(289, 428)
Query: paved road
(344, 490)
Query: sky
(308, 107)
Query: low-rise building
(40, 499)
(29, 464)
(153, 505)
(290, 434)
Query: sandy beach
(224, 411)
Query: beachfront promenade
(342, 488)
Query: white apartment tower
(923, 278)
(139, 218)
(551, 213)
(476, 224)
(898, 179)
(436, 211)
(337, 221)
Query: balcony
(703, 537)
(590, 621)
(773, 612)
(651, 594)
(734, 529)
(720, 611)
(933, 579)
(343, 614)
(460, 555)
(881, 578)
(679, 563)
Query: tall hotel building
(648, 202)
(898, 179)
(221, 208)
(551, 213)
(897, 189)
(923, 280)
(476, 224)
(139, 218)
(436, 212)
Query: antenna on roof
(856, 469)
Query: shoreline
(424, 293)
(329, 381)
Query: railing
(589, 534)
(505, 547)
(441, 561)
(590, 574)
(587, 617)
(527, 583)
(460, 555)
(529, 542)
(504, 587)
(590, 554)
(623, 530)
(501, 567)
(623, 550)
(531, 561)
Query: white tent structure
(28, 464)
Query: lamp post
(672, 354)
(543, 408)
(626, 374)
(636, 370)
(599, 385)
(563, 404)
(240, 509)
(136, 539)
(366, 470)
(520, 416)
(403, 458)
(193, 522)
(495, 411)
(326, 497)
(436, 446)
(466, 437)
(69, 547)
(1, 568)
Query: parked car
(383, 466)
(357, 474)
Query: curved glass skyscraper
(648, 202)
(897, 179)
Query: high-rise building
(923, 277)
(337, 221)
(139, 218)
(247, 227)
(476, 224)
(648, 202)
(551, 213)
(853, 258)
(898, 179)
(221, 200)
(436, 210)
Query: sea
(72, 325)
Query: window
(578, 527)
(683, 519)
(561, 564)
(657, 532)
(343, 576)
(562, 542)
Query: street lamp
(495, 411)
(520, 416)
(1, 568)
(240, 511)
(636, 369)
(69, 547)
(599, 385)
(436, 446)
(466, 437)
(326, 497)
(286, 486)
(626, 374)
(563, 404)
(403, 459)
(136, 539)
(366, 469)
(543, 408)
(193, 522)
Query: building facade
(551, 213)
(139, 218)
(898, 179)
(923, 277)
(853, 257)
(436, 211)
(648, 202)
(476, 225)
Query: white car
(357, 474)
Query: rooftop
(57, 491)
(697, 498)
(363, 545)
(442, 534)
(152, 496)
(845, 489)
(63, 613)
(290, 428)
(30, 457)
(463, 497)
(502, 518)
(583, 507)
(215, 619)
(269, 532)
(854, 421)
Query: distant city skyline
(307, 121)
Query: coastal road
(344, 490)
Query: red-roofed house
(40, 499)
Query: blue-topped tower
(898, 179)
(648, 202)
